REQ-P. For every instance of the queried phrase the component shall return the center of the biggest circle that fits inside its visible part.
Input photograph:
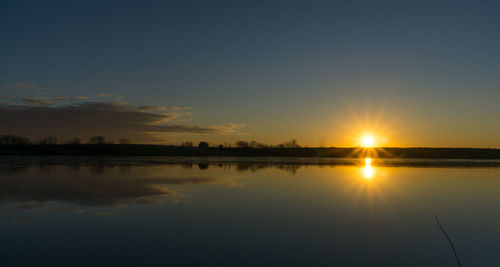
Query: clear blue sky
(413, 73)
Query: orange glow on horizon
(367, 128)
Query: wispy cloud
(42, 114)
(113, 95)
(223, 129)
(22, 85)
(86, 119)
(40, 100)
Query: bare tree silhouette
(11, 139)
(187, 144)
(242, 144)
(73, 141)
(49, 140)
(97, 140)
(125, 141)
(290, 144)
(203, 144)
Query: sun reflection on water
(370, 186)
(368, 170)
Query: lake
(247, 211)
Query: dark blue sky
(324, 72)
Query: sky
(410, 73)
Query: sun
(368, 141)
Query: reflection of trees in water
(187, 166)
(253, 167)
(91, 190)
(203, 166)
(36, 185)
(11, 169)
(38, 181)
(242, 166)
(100, 166)
(46, 168)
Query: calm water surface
(154, 211)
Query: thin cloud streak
(22, 85)
(110, 95)
(42, 100)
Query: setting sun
(368, 141)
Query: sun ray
(372, 191)
(374, 122)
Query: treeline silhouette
(245, 144)
(100, 146)
(10, 139)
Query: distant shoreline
(179, 151)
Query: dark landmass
(98, 164)
(179, 151)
